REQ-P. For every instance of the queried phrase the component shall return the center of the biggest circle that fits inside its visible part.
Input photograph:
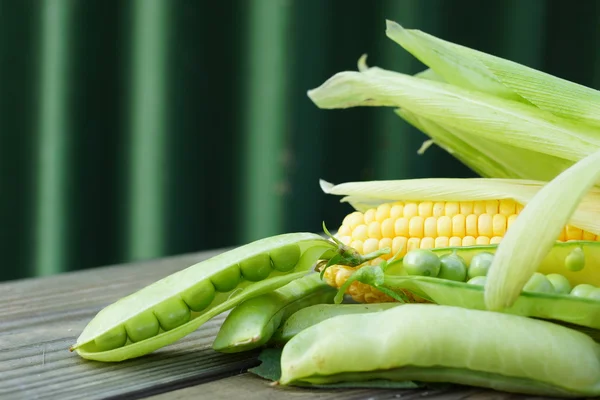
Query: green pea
(453, 267)
(256, 268)
(199, 296)
(421, 262)
(582, 290)
(285, 258)
(561, 283)
(594, 294)
(172, 313)
(477, 280)
(227, 279)
(538, 283)
(142, 326)
(112, 339)
(575, 261)
(480, 264)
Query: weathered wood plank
(40, 318)
(251, 387)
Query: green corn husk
(500, 118)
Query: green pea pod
(309, 316)
(432, 343)
(553, 263)
(176, 305)
(554, 306)
(251, 324)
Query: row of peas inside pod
(452, 266)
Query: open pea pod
(561, 307)
(178, 304)
(567, 308)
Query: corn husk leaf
(472, 69)
(534, 232)
(478, 114)
(498, 160)
(365, 195)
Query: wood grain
(40, 319)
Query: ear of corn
(404, 225)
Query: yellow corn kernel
(499, 225)
(430, 227)
(370, 215)
(484, 225)
(482, 240)
(441, 241)
(496, 240)
(425, 209)
(471, 225)
(354, 219)
(444, 226)
(387, 228)
(478, 207)
(383, 243)
(468, 241)
(427, 243)
(344, 231)
(346, 240)
(455, 241)
(519, 208)
(507, 207)
(412, 243)
(510, 220)
(588, 236)
(452, 208)
(410, 210)
(491, 207)
(374, 230)
(574, 233)
(458, 225)
(466, 207)
(399, 242)
(397, 211)
(383, 212)
(361, 232)
(401, 227)
(415, 227)
(357, 245)
(370, 245)
(439, 208)
(563, 234)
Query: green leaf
(478, 114)
(533, 234)
(489, 159)
(472, 69)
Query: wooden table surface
(40, 318)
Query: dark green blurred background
(138, 129)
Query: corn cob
(406, 226)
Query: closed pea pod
(478, 348)
(312, 315)
(252, 323)
(183, 301)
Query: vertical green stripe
(523, 33)
(396, 142)
(147, 146)
(265, 117)
(53, 132)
